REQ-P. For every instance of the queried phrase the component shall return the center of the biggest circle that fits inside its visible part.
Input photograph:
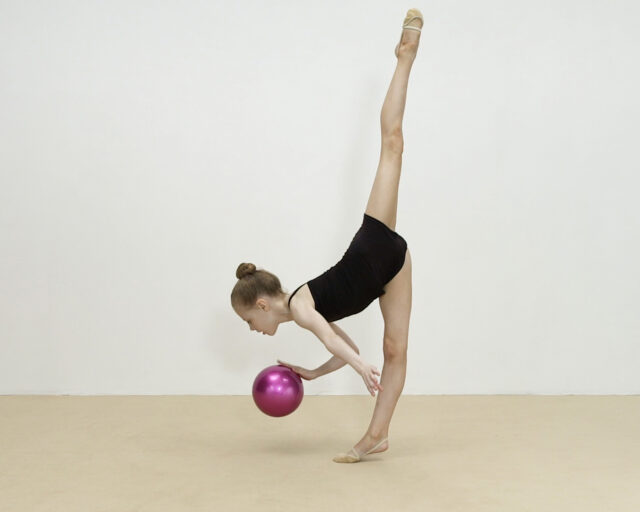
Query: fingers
(376, 385)
(380, 388)
(373, 387)
(292, 367)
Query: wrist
(357, 363)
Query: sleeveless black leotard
(376, 254)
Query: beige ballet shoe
(412, 14)
(353, 456)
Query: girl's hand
(369, 373)
(303, 372)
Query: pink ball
(277, 390)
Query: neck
(282, 309)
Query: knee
(393, 141)
(394, 348)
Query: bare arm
(335, 363)
(310, 319)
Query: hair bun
(244, 269)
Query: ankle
(377, 435)
(407, 55)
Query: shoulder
(305, 315)
(302, 298)
(302, 304)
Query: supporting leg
(395, 306)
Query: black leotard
(376, 254)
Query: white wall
(148, 148)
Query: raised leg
(383, 199)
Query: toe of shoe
(345, 457)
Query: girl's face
(261, 320)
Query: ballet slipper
(353, 456)
(412, 14)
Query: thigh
(395, 305)
(383, 198)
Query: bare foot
(409, 39)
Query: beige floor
(446, 453)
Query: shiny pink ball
(277, 390)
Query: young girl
(377, 264)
